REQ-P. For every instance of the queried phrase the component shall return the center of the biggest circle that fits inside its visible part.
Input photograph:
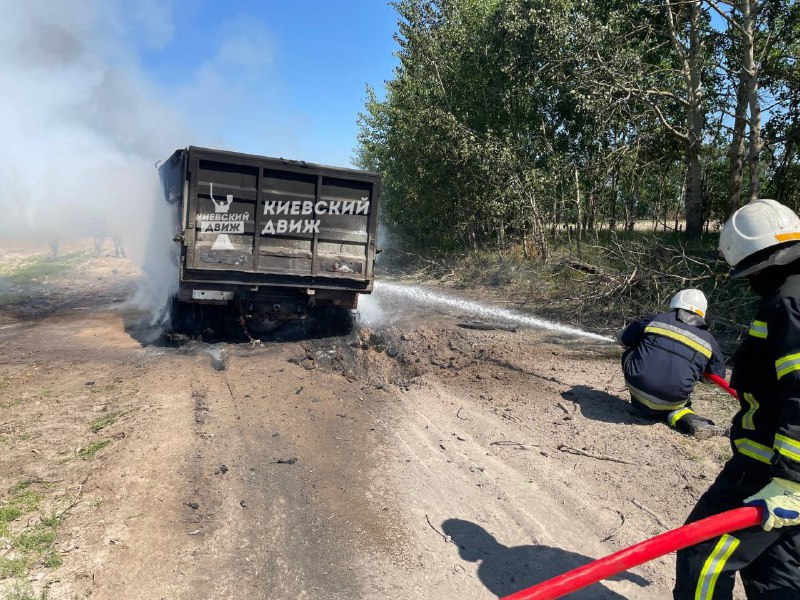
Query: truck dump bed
(257, 220)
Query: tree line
(508, 120)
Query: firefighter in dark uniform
(761, 241)
(665, 356)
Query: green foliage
(8, 514)
(93, 448)
(30, 545)
(617, 279)
(39, 267)
(26, 501)
(505, 121)
(36, 540)
(20, 486)
(20, 591)
(12, 567)
(108, 419)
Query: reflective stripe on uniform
(687, 338)
(754, 450)
(787, 447)
(713, 567)
(652, 402)
(758, 329)
(787, 364)
(677, 415)
(747, 419)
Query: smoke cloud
(83, 123)
(83, 127)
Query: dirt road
(419, 459)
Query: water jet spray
(420, 295)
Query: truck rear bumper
(260, 298)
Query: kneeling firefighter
(665, 356)
(761, 241)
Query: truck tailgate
(268, 216)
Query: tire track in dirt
(386, 429)
(507, 527)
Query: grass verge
(106, 420)
(601, 285)
(38, 267)
(30, 545)
(24, 591)
(93, 448)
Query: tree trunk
(737, 148)
(749, 8)
(578, 215)
(591, 216)
(612, 222)
(694, 114)
(657, 207)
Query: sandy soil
(419, 459)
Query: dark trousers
(684, 424)
(768, 561)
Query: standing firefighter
(665, 356)
(761, 241)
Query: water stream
(422, 296)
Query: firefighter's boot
(702, 429)
(687, 421)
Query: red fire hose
(716, 379)
(671, 541)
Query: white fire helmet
(758, 235)
(691, 300)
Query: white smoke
(370, 311)
(82, 127)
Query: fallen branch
(76, 499)
(564, 408)
(658, 519)
(446, 538)
(481, 326)
(616, 531)
(512, 418)
(584, 267)
(571, 450)
(71, 505)
(519, 445)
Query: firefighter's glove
(781, 501)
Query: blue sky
(268, 77)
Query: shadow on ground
(505, 570)
(602, 406)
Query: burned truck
(265, 240)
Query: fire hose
(717, 380)
(671, 541)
